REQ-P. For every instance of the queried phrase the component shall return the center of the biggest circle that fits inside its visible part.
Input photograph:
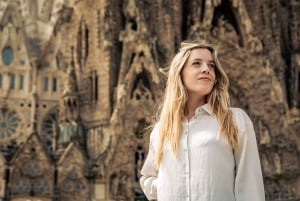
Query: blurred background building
(79, 83)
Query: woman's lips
(205, 78)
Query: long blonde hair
(172, 112)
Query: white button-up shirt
(206, 168)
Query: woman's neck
(191, 105)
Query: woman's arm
(249, 181)
(149, 170)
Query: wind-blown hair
(176, 96)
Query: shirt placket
(187, 162)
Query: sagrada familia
(80, 83)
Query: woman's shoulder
(238, 111)
(155, 131)
(241, 117)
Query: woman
(201, 149)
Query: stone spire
(70, 127)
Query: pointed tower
(70, 107)
(70, 127)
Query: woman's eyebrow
(199, 59)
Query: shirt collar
(204, 108)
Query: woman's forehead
(201, 53)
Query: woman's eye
(212, 66)
(196, 63)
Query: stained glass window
(7, 55)
(32, 169)
(8, 123)
(41, 186)
(21, 186)
(49, 125)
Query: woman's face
(198, 74)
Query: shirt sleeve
(149, 170)
(248, 182)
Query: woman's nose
(205, 68)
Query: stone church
(80, 84)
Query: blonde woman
(200, 148)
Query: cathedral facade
(80, 84)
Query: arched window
(54, 84)
(46, 82)
(7, 55)
(21, 82)
(12, 81)
(49, 127)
